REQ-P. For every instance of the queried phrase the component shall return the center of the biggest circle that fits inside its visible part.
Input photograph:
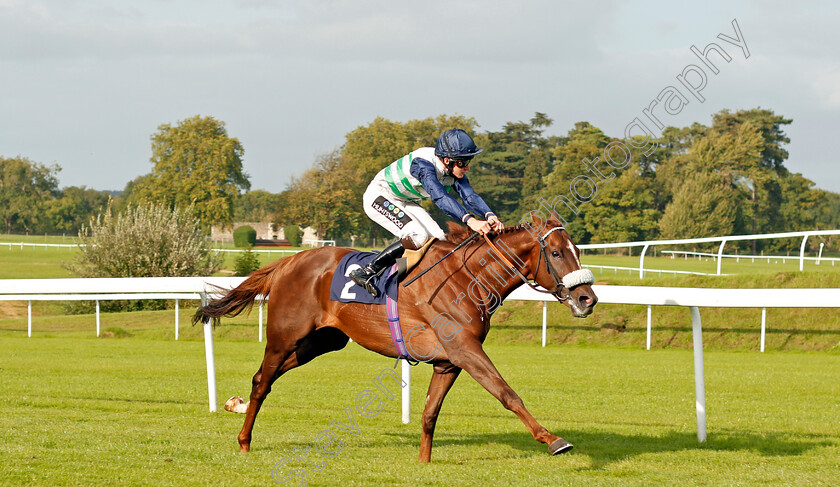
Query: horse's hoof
(559, 446)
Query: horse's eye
(555, 254)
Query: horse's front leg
(467, 353)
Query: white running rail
(197, 287)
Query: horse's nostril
(585, 300)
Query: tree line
(195, 165)
(725, 178)
(698, 181)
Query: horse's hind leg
(442, 380)
(280, 359)
(268, 372)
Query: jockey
(391, 200)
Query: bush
(293, 234)
(246, 263)
(244, 236)
(145, 241)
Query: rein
(465, 242)
(574, 278)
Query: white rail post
(545, 306)
(97, 318)
(259, 325)
(642, 261)
(720, 255)
(648, 327)
(29, 320)
(819, 256)
(699, 380)
(802, 253)
(210, 359)
(763, 321)
(406, 392)
(176, 319)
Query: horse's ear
(534, 222)
(537, 222)
(554, 222)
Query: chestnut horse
(466, 288)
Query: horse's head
(557, 267)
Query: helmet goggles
(461, 162)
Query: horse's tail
(241, 298)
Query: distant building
(265, 231)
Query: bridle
(558, 281)
(578, 275)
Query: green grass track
(133, 411)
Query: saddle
(411, 258)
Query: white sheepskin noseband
(578, 277)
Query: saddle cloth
(344, 290)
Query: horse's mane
(458, 233)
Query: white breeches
(404, 219)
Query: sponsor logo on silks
(390, 211)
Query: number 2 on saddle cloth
(344, 290)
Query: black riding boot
(366, 276)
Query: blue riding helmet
(456, 144)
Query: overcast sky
(85, 83)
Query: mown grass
(520, 322)
(85, 411)
(131, 407)
(153, 325)
(517, 322)
(35, 262)
(27, 262)
(723, 328)
(15, 260)
(49, 239)
(705, 265)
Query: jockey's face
(457, 170)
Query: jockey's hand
(479, 226)
(495, 223)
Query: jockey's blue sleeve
(471, 199)
(425, 172)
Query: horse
(465, 289)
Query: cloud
(292, 77)
(50, 30)
(454, 34)
(826, 85)
(446, 34)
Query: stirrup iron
(366, 278)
